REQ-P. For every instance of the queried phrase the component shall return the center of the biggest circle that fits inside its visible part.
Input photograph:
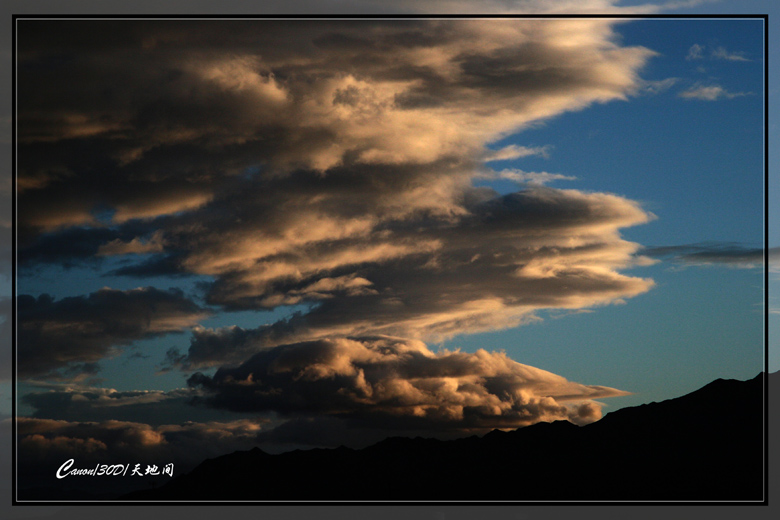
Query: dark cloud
(210, 347)
(710, 253)
(98, 404)
(53, 335)
(392, 383)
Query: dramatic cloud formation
(182, 120)
(510, 256)
(330, 165)
(395, 383)
(55, 335)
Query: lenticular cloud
(400, 384)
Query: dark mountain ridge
(705, 446)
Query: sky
(311, 233)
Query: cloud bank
(331, 166)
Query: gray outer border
(447, 512)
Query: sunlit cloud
(491, 269)
(516, 152)
(400, 105)
(344, 179)
(400, 384)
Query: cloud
(399, 384)
(78, 246)
(432, 279)
(291, 169)
(539, 178)
(659, 86)
(710, 253)
(514, 151)
(696, 52)
(69, 402)
(77, 332)
(177, 121)
(327, 165)
(774, 259)
(721, 53)
(709, 93)
(137, 245)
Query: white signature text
(112, 470)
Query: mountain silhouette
(705, 446)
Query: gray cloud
(393, 383)
(538, 178)
(710, 253)
(774, 259)
(720, 53)
(68, 402)
(80, 331)
(695, 52)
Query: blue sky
(670, 160)
(698, 166)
